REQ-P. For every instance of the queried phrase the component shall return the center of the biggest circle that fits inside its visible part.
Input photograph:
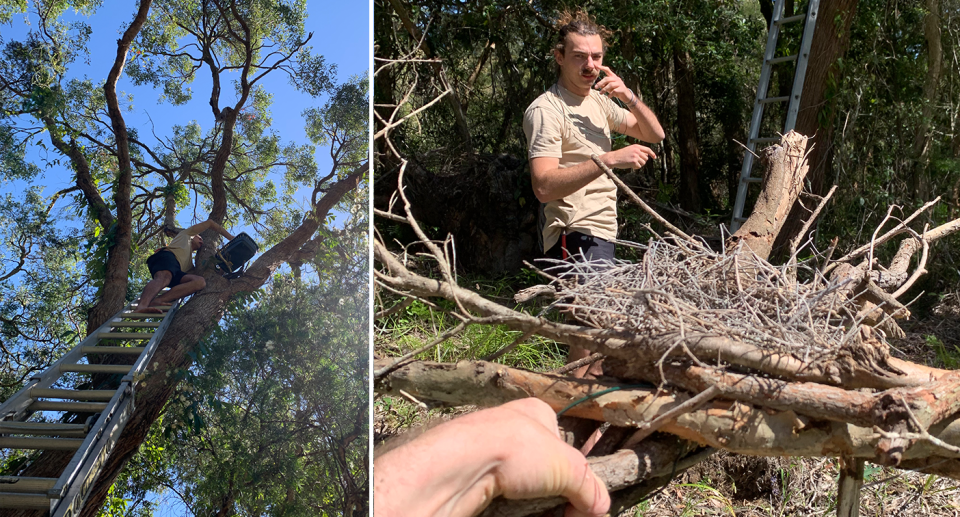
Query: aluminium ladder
(92, 441)
(793, 100)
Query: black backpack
(235, 254)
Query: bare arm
(550, 182)
(199, 228)
(640, 122)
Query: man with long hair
(567, 124)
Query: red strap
(563, 245)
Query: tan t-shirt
(561, 124)
(180, 246)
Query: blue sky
(340, 33)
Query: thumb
(587, 494)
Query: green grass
(948, 357)
(418, 324)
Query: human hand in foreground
(458, 467)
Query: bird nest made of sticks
(679, 287)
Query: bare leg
(160, 280)
(189, 285)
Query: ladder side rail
(141, 363)
(757, 118)
(69, 502)
(107, 425)
(14, 407)
(802, 57)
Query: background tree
(229, 165)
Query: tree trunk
(687, 128)
(931, 31)
(114, 291)
(817, 104)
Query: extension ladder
(793, 100)
(93, 440)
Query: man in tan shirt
(564, 127)
(167, 267)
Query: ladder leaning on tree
(793, 100)
(25, 422)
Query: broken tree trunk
(785, 167)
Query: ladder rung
(770, 100)
(129, 350)
(791, 19)
(142, 336)
(133, 305)
(783, 59)
(53, 444)
(75, 407)
(96, 368)
(764, 140)
(25, 485)
(152, 324)
(42, 428)
(141, 315)
(24, 501)
(49, 393)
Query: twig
(873, 237)
(636, 199)
(403, 304)
(413, 399)
(887, 236)
(579, 363)
(813, 217)
(509, 348)
(391, 216)
(692, 404)
(388, 126)
(755, 155)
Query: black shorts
(165, 260)
(580, 247)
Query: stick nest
(685, 288)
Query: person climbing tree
(168, 265)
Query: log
(732, 425)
